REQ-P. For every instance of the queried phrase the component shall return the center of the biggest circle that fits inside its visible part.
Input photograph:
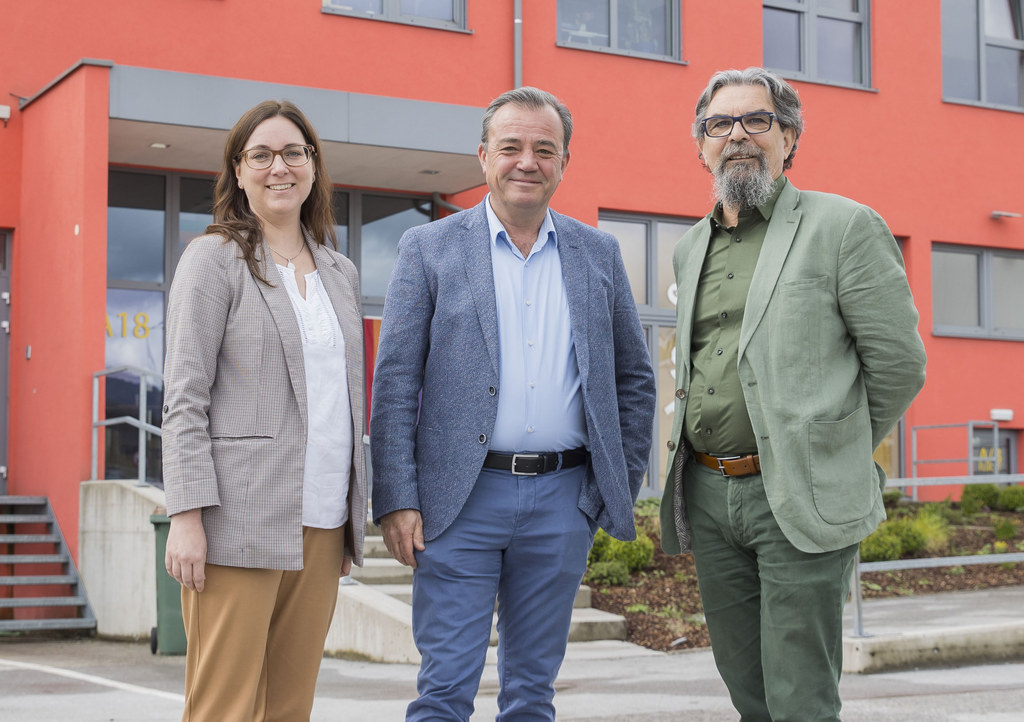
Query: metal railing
(138, 422)
(926, 563)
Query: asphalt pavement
(95, 680)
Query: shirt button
(707, 432)
(491, 390)
(671, 446)
(730, 275)
(529, 303)
(482, 438)
(724, 314)
(680, 393)
(718, 352)
(529, 429)
(737, 239)
(532, 384)
(530, 342)
(711, 392)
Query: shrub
(977, 496)
(891, 497)
(1010, 498)
(931, 525)
(908, 533)
(610, 573)
(880, 546)
(1005, 529)
(634, 555)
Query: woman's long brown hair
(232, 216)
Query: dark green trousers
(774, 613)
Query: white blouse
(325, 480)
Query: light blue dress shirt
(540, 403)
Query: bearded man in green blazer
(798, 352)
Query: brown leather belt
(731, 465)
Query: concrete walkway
(102, 681)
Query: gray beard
(741, 187)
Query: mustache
(740, 149)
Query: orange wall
(58, 291)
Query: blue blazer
(436, 383)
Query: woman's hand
(185, 557)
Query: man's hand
(185, 557)
(403, 533)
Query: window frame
(653, 319)
(982, 43)
(986, 328)
(676, 38)
(391, 12)
(810, 12)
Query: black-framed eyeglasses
(263, 158)
(719, 126)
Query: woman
(263, 423)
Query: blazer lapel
(476, 254)
(577, 290)
(283, 313)
(777, 242)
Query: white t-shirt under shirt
(329, 440)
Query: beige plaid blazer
(234, 415)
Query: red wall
(58, 292)
(934, 170)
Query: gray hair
(534, 99)
(785, 101)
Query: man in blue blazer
(797, 353)
(513, 404)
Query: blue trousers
(520, 540)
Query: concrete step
(403, 593)
(382, 571)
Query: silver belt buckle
(517, 457)
(721, 466)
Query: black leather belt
(536, 463)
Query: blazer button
(166, 408)
(491, 390)
(482, 438)
(680, 393)
(671, 446)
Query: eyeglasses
(719, 126)
(263, 158)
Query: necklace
(289, 260)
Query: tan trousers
(256, 636)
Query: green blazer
(829, 360)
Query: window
(647, 243)
(977, 292)
(645, 28)
(446, 14)
(993, 450)
(820, 40)
(983, 51)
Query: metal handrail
(860, 567)
(139, 422)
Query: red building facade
(118, 112)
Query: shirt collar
(547, 228)
(765, 209)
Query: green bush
(975, 497)
(1011, 498)
(891, 497)
(635, 555)
(611, 573)
(931, 525)
(880, 546)
(911, 538)
(1005, 529)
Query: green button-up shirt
(716, 420)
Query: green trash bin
(168, 636)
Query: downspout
(518, 43)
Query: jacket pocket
(843, 482)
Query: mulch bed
(663, 610)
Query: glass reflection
(385, 219)
(135, 227)
(632, 238)
(196, 211)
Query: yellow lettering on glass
(110, 330)
(141, 325)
